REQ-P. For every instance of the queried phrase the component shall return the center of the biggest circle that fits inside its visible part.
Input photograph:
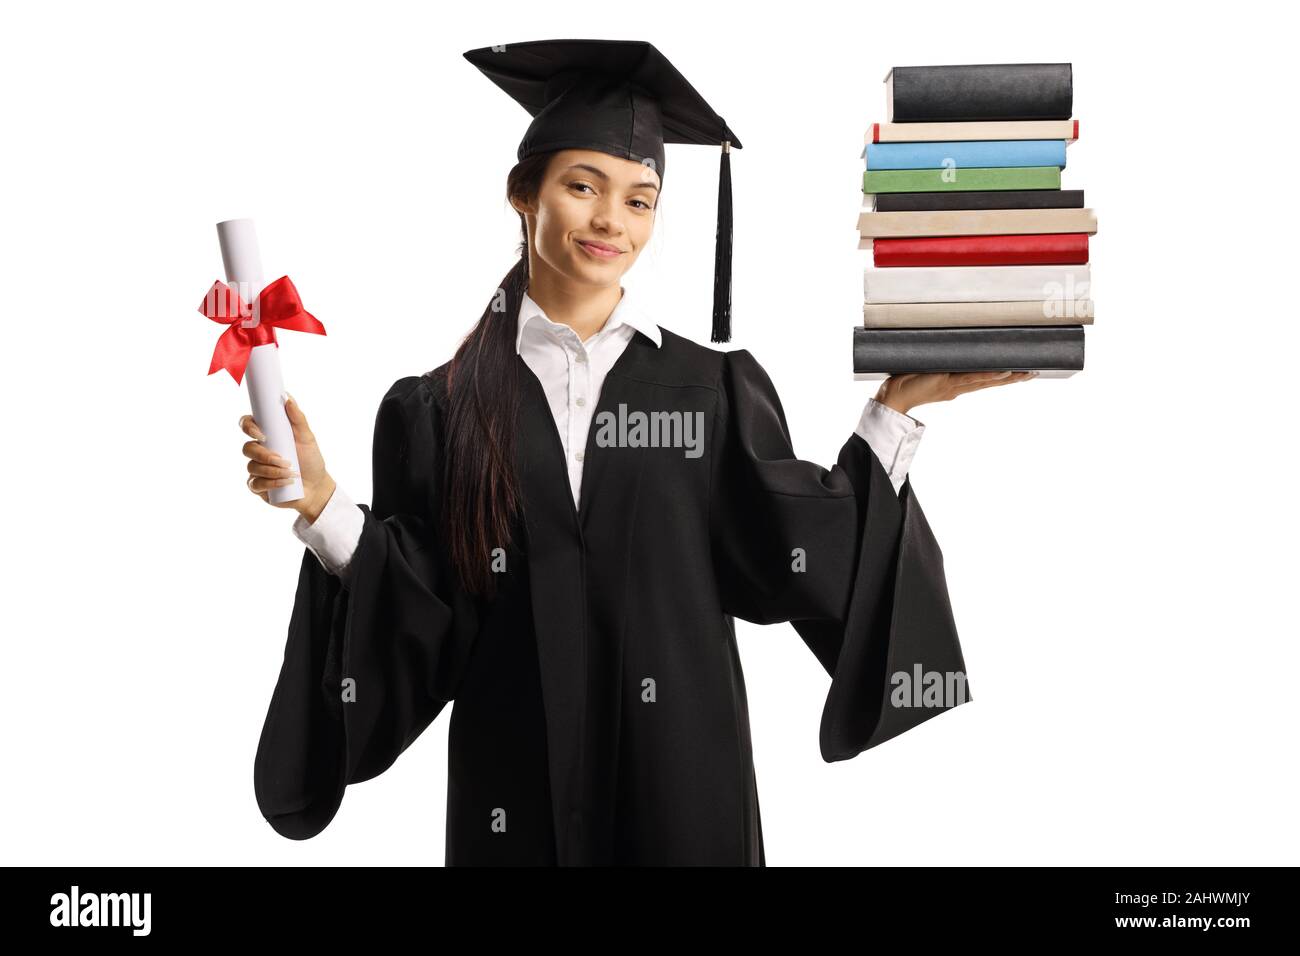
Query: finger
(301, 430)
(271, 471)
(965, 378)
(969, 381)
(976, 386)
(267, 456)
(991, 376)
(1002, 379)
(258, 484)
(1014, 377)
(249, 427)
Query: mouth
(601, 250)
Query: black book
(985, 91)
(992, 199)
(1051, 348)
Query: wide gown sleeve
(853, 565)
(373, 658)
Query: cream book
(933, 315)
(1067, 130)
(973, 222)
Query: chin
(597, 273)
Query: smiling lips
(600, 250)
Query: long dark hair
(483, 388)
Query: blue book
(968, 155)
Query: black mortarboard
(621, 97)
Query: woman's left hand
(904, 392)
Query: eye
(644, 204)
(576, 185)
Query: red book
(1051, 248)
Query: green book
(965, 178)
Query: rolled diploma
(243, 263)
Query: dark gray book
(982, 91)
(1047, 348)
(978, 199)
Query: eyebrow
(600, 173)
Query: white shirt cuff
(334, 535)
(893, 436)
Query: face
(593, 216)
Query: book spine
(967, 93)
(1006, 348)
(905, 315)
(943, 180)
(981, 199)
(1061, 248)
(959, 154)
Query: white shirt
(572, 372)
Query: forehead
(625, 172)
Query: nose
(607, 217)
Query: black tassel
(722, 253)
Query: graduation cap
(620, 97)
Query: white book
(977, 283)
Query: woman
(567, 517)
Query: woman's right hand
(268, 470)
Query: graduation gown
(600, 713)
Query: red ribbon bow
(276, 307)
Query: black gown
(600, 712)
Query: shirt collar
(627, 312)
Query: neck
(583, 308)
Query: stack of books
(979, 257)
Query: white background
(1119, 545)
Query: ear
(524, 207)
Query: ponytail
(482, 491)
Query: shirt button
(580, 401)
(578, 455)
